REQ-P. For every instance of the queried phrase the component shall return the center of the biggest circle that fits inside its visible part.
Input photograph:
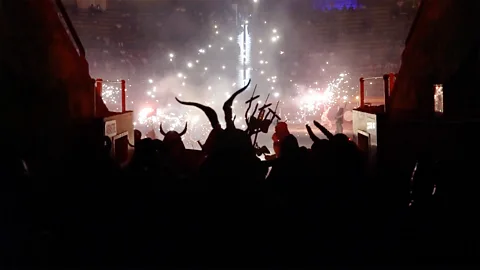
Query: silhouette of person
(281, 132)
(339, 120)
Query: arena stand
(367, 37)
(365, 40)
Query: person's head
(137, 135)
(173, 141)
(281, 129)
(229, 140)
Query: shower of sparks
(112, 95)
(316, 100)
(214, 71)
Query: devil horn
(227, 106)
(184, 130)
(162, 131)
(209, 112)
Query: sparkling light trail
(212, 71)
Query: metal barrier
(388, 84)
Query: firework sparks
(316, 101)
(214, 71)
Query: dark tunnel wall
(46, 84)
(442, 48)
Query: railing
(388, 84)
(71, 29)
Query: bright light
(244, 56)
(252, 58)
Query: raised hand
(325, 131)
(313, 137)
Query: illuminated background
(309, 61)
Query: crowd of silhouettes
(221, 206)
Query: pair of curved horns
(212, 115)
(181, 133)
